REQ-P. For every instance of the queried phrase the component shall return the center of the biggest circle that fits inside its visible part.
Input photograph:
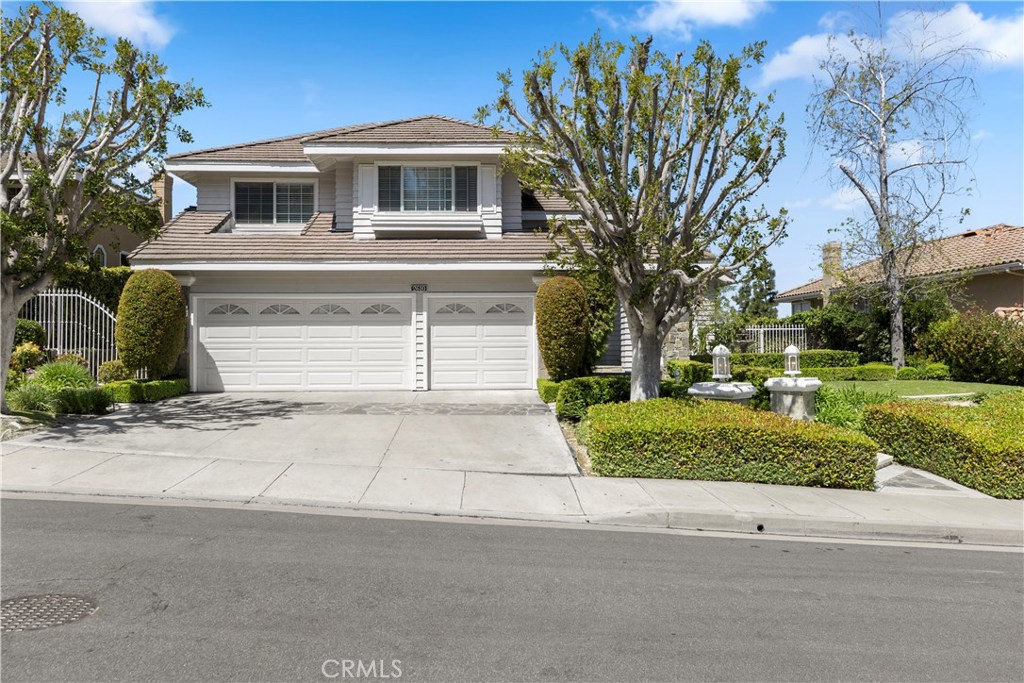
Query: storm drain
(33, 612)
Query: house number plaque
(419, 288)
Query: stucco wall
(993, 291)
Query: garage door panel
(503, 331)
(480, 343)
(295, 343)
(457, 354)
(506, 353)
(453, 331)
(503, 377)
(455, 378)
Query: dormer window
(274, 203)
(427, 188)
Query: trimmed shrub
(601, 310)
(980, 447)
(27, 356)
(562, 326)
(689, 371)
(63, 375)
(90, 401)
(978, 346)
(870, 372)
(812, 358)
(576, 395)
(150, 330)
(136, 391)
(72, 358)
(112, 371)
(908, 373)
(32, 395)
(714, 440)
(29, 331)
(548, 390)
(103, 284)
(935, 371)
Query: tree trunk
(9, 306)
(896, 343)
(645, 378)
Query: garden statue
(722, 389)
(792, 395)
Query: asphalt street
(218, 594)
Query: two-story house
(389, 255)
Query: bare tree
(66, 171)
(889, 108)
(661, 159)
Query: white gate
(775, 338)
(75, 323)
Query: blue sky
(272, 69)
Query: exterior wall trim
(254, 266)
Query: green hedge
(870, 372)
(714, 440)
(104, 284)
(83, 401)
(578, 394)
(812, 358)
(689, 371)
(548, 390)
(150, 329)
(138, 391)
(980, 447)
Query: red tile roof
(961, 253)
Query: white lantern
(792, 360)
(720, 363)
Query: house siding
(213, 191)
(343, 193)
(511, 203)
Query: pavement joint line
(577, 494)
(700, 485)
(387, 449)
(115, 455)
(279, 475)
(839, 504)
(190, 475)
(372, 479)
(462, 495)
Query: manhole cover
(34, 612)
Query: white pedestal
(737, 392)
(793, 396)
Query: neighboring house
(389, 255)
(989, 262)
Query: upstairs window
(426, 188)
(270, 203)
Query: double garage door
(363, 342)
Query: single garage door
(296, 343)
(481, 343)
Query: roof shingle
(968, 251)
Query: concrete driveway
(493, 431)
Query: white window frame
(425, 164)
(284, 181)
(103, 251)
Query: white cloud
(981, 135)
(135, 20)
(908, 151)
(844, 199)
(679, 18)
(998, 40)
(797, 203)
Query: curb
(677, 519)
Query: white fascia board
(241, 167)
(343, 266)
(405, 150)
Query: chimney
(163, 190)
(831, 267)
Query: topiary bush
(27, 356)
(980, 447)
(908, 373)
(29, 331)
(562, 326)
(935, 371)
(112, 371)
(978, 346)
(63, 375)
(150, 330)
(714, 440)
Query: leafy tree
(756, 292)
(65, 171)
(888, 109)
(661, 159)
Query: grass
(925, 387)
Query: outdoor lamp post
(720, 363)
(792, 358)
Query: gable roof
(432, 128)
(962, 253)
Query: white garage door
(480, 343)
(295, 343)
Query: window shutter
(389, 188)
(465, 188)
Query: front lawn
(925, 387)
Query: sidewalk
(707, 506)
